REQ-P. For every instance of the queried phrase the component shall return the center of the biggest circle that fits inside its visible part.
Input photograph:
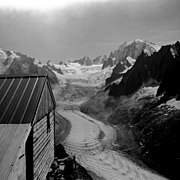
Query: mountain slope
(125, 56)
(85, 61)
(162, 66)
(130, 49)
(18, 63)
(147, 126)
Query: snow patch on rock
(38, 63)
(131, 60)
(173, 102)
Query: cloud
(92, 28)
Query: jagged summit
(125, 56)
(99, 59)
(85, 61)
(162, 66)
(129, 49)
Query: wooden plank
(38, 151)
(51, 113)
(2, 130)
(42, 148)
(39, 124)
(43, 122)
(42, 143)
(19, 133)
(41, 130)
(41, 140)
(40, 121)
(38, 134)
(42, 158)
(7, 132)
(43, 173)
(37, 131)
(42, 164)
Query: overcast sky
(91, 28)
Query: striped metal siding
(19, 97)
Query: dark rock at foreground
(66, 167)
(158, 135)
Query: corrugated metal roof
(19, 98)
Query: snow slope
(77, 74)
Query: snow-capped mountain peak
(17, 63)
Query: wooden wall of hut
(43, 136)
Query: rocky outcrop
(157, 133)
(100, 59)
(109, 62)
(85, 61)
(163, 66)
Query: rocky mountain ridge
(86, 61)
(18, 63)
(116, 64)
(125, 56)
(161, 68)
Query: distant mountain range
(119, 61)
(17, 63)
(86, 61)
(131, 65)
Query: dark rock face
(163, 66)
(111, 79)
(157, 131)
(85, 61)
(155, 128)
(23, 64)
(125, 57)
(108, 62)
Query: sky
(61, 30)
